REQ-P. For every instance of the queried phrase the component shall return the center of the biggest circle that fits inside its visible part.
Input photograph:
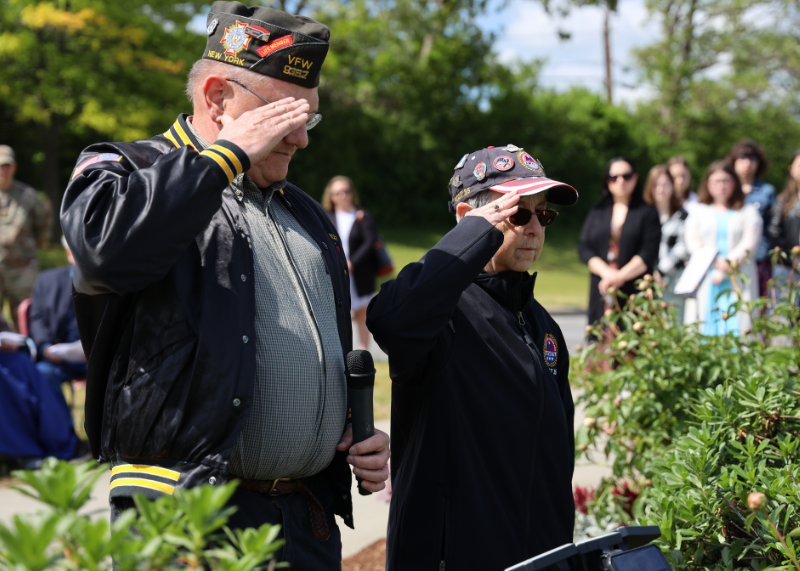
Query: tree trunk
(607, 45)
(50, 136)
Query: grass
(562, 282)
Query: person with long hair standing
(620, 237)
(723, 221)
(660, 192)
(784, 226)
(358, 234)
(682, 178)
(750, 162)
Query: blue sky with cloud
(526, 32)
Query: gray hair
(481, 199)
(203, 68)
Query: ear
(461, 209)
(215, 93)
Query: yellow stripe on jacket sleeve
(152, 470)
(221, 162)
(228, 153)
(140, 483)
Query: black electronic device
(624, 549)
(360, 385)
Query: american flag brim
(525, 187)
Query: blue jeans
(58, 373)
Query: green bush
(681, 412)
(186, 530)
(747, 442)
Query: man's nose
(298, 137)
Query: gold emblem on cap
(235, 39)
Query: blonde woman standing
(358, 235)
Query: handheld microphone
(360, 383)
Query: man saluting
(212, 296)
(481, 406)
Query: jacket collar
(512, 290)
(181, 134)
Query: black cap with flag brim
(505, 169)
(267, 41)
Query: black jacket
(52, 314)
(641, 235)
(785, 230)
(165, 304)
(482, 425)
(363, 236)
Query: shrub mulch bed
(371, 558)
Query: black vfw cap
(267, 41)
(505, 169)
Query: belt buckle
(275, 483)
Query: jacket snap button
(236, 402)
(237, 226)
(212, 480)
(244, 278)
(324, 245)
(245, 339)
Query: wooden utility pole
(607, 42)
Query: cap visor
(557, 192)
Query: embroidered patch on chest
(550, 350)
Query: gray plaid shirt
(300, 400)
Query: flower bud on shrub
(642, 286)
(664, 305)
(649, 294)
(796, 251)
(637, 327)
(747, 331)
(777, 249)
(617, 401)
(588, 329)
(622, 345)
(612, 290)
(648, 278)
(756, 500)
(608, 312)
(632, 296)
(725, 316)
(582, 447)
(578, 347)
(653, 344)
(734, 265)
(589, 422)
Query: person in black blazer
(358, 234)
(53, 327)
(620, 237)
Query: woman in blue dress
(724, 222)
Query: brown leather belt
(286, 486)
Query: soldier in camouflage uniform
(25, 221)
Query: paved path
(370, 512)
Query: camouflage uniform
(24, 225)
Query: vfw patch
(550, 350)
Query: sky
(526, 32)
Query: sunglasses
(751, 158)
(313, 118)
(626, 176)
(522, 216)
